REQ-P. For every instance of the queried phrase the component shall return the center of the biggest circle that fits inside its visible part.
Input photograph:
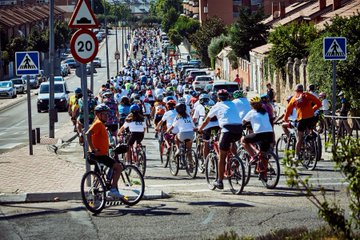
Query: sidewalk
(53, 173)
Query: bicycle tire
(273, 171)
(211, 170)
(281, 146)
(245, 158)
(318, 141)
(174, 165)
(290, 151)
(131, 184)
(191, 169)
(236, 175)
(310, 154)
(161, 151)
(201, 165)
(94, 196)
(141, 161)
(169, 154)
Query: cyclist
(73, 103)
(262, 132)
(158, 110)
(231, 129)
(268, 107)
(136, 124)
(302, 101)
(168, 117)
(98, 140)
(286, 125)
(112, 122)
(200, 112)
(185, 127)
(124, 109)
(147, 111)
(325, 110)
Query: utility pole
(52, 111)
(92, 62)
(107, 45)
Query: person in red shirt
(238, 81)
(306, 104)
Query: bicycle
(131, 184)
(234, 169)
(266, 165)
(182, 161)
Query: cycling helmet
(146, 100)
(101, 108)
(299, 88)
(77, 91)
(106, 94)
(322, 95)
(180, 108)
(255, 99)
(194, 93)
(171, 103)
(238, 94)
(159, 85)
(223, 94)
(160, 97)
(134, 108)
(203, 98)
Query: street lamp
(107, 46)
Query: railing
(342, 127)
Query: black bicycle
(95, 184)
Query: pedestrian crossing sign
(334, 48)
(27, 63)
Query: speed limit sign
(84, 46)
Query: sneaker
(218, 184)
(113, 192)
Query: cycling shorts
(207, 133)
(264, 139)
(306, 123)
(106, 160)
(135, 136)
(226, 138)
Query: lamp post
(107, 46)
(117, 50)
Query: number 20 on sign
(84, 46)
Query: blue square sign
(334, 48)
(27, 63)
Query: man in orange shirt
(306, 104)
(98, 140)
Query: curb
(150, 194)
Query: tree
(175, 37)
(17, 44)
(169, 19)
(247, 32)
(38, 41)
(163, 6)
(213, 27)
(293, 40)
(348, 72)
(216, 45)
(186, 26)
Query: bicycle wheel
(174, 164)
(141, 161)
(245, 158)
(93, 196)
(201, 162)
(131, 184)
(281, 146)
(310, 154)
(290, 150)
(273, 171)
(169, 154)
(319, 147)
(211, 169)
(236, 175)
(191, 165)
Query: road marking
(209, 217)
(179, 184)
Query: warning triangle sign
(335, 50)
(83, 16)
(27, 64)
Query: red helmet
(171, 102)
(149, 92)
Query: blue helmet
(77, 90)
(101, 108)
(134, 108)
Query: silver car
(20, 85)
(7, 89)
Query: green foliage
(38, 41)
(169, 19)
(17, 44)
(150, 20)
(213, 27)
(175, 37)
(217, 44)
(234, 61)
(347, 159)
(291, 40)
(62, 34)
(162, 7)
(247, 32)
(348, 71)
(186, 26)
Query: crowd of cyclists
(148, 92)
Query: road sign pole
(107, 46)
(29, 114)
(51, 64)
(333, 103)
(86, 111)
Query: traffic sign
(334, 48)
(84, 45)
(83, 16)
(27, 63)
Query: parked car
(97, 62)
(7, 89)
(57, 79)
(61, 96)
(19, 84)
(34, 80)
(201, 81)
(71, 62)
(192, 74)
(42, 77)
(223, 84)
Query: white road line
(209, 217)
(179, 185)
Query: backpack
(207, 109)
(301, 100)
